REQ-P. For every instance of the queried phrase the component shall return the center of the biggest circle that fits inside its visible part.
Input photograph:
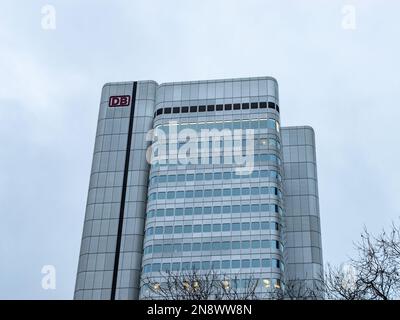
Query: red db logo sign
(119, 101)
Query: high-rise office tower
(200, 176)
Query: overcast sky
(343, 82)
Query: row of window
(207, 193)
(214, 176)
(214, 265)
(212, 246)
(207, 145)
(227, 209)
(258, 159)
(218, 107)
(175, 127)
(215, 227)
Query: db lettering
(119, 101)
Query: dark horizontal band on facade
(217, 107)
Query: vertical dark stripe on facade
(123, 193)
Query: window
(185, 265)
(157, 248)
(277, 107)
(167, 110)
(246, 263)
(159, 111)
(216, 246)
(227, 175)
(263, 105)
(226, 227)
(206, 227)
(156, 267)
(217, 210)
(190, 177)
(176, 110)
(236, 106)
(255, 191)
(199, 176)
(216, 227)
(159, 230)
(219, 107)
(246, 244)
(217, 175)
(187, 229)
(205, 265)
(264, 225)
(189, 194)
(255, 226)
(160, 213)
(167, 248)
(265, 244)
(266, 263)
(210, 108)
(170, 194)
(206, 246)
(227, 192)
(226, 245)
(226, 264)
(228, 107)
(254, 105)
(187, 247)
(245, 226)
(193, 108)
(168, 230)
(271, 105)
(236, 191)
(217, 192)
(197, 228)
(178, 229)
(161, 195)
(255, 263)
(235, 264)
(235, 226)
(202, 108)
(235, 245)
(215, 265)
(264, 190)
(180, 194)
(185, 109)
(181, 177)
(175, 266)
(196, 246)
(255, 244)
(236, 207)
(198, 193)
(188, 211)
(208, 193)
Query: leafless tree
(373, 274)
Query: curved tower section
(215, 216)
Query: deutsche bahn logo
(119, 101)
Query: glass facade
(228, 204)
(208, 215)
